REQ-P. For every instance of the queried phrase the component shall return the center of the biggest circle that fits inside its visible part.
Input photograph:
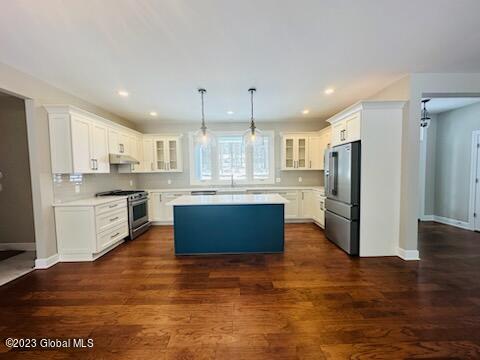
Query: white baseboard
(18, 246)
(408, 254)
(427, 218)
(45, 263)
(457, 223)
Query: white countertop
(243, 199)
(92, 201)
(240, 189)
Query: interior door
(99, 138)
(82, 159)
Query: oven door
(138, 213)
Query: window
(231, 159)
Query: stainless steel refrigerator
(342, 188)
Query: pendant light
(252, 136)
(425, 119)
(203, 136)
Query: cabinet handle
(96, 164)
(310, 164)
(113, 219)
(92, 164)
(112, 206)
(160, 197)
(114, 235)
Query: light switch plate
(131, 182)
(300, 179)
(169, 182)
(77, 189)
(278, 180)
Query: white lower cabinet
(303, 205)
(318, 208)
(85, 232)
(157, 206)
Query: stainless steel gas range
(137, 210)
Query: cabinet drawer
(115, 205)
(111, 236)
(111, 219)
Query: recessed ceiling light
(329, 91)
(230, 112)
(153, 113)
(123, 93)
(305, 112)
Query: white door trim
(422, 174)
(473, 207)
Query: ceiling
(291, 50)
(439, 105)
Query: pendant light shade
(252, 135)
(203, 136)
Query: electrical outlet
(169, 182)
(131, 183)
(278, 180)
(77, 189)
(300, 179)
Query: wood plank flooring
(313, 302)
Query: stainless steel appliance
(342, 189)
(137, 210)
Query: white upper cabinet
(167, 154)
(317, 144)
(346, 130)
(295, 152)
(99, 147)
(78, 143)
(148, 163)
(304, 151)
(119, 142)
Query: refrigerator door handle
(333, 169)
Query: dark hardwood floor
(313, 302)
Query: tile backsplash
(72, 187)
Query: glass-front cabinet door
(168, 154)
(160, 158)
(172, 154)
(301, 158)
(289, 153)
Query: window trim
(248, 158)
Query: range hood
(119, 159)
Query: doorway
(17, 231)
(449, 161)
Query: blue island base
(229, 229)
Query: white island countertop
(237, 199)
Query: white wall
(414, 87)
(449, 145)
(40, 94)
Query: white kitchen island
(228, 224)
